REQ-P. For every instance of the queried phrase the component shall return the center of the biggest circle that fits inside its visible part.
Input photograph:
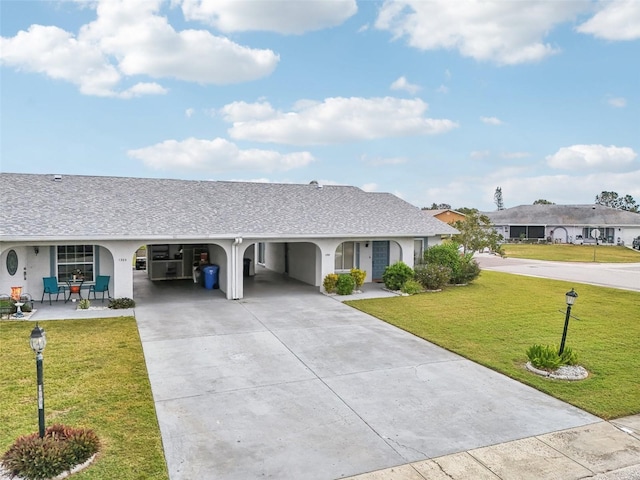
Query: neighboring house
(57, 224)
(567, 223)
(447, 216)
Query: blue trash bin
(210, 273)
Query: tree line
(607, 199)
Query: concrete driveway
(291, 384)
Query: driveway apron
(291, 384)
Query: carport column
(327, 258)
(236, 265)
(123, 257)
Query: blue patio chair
(102, 285)
(51, 287)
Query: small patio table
(75, 286)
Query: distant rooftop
(563, 215)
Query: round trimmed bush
(395, 276)
(345, 285)
(468, 270)
(411, 287)
(433, 276)
(329, 283)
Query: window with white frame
(418, 251)
(344, 258)
(76, 260)
(261, 253)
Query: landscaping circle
(566, 372)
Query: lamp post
(571, 298)
(38, 341)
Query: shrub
(345, 284)
(329, 283)
(546, 357)
(84, 304)
(411, 287)
(468, 270)
(464, 269)
(395, 275)
(359, 276)
(124, 302)
(433, 276)
(61, 449)
(446, 254)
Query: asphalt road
(625, 276)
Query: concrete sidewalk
(600, 451)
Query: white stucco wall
(33, 268)
(302, 262)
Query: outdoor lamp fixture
(571, 299)
(36, 250)
(38, 341)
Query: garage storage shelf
(174, 262)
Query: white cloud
(146, 44)
(337, 120)
(56, 53)
(189, 112)
(616, 20)
(217, 155)
(442, 89)
(497, 31)
(491, 120)
(293, 17)
(617, 102)
(243, 111)
(594, 157)
(145, 88)
(131, 39)
(402, 84)
(370, 187)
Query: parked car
(141, 263)
(636, 243)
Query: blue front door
(379, 259)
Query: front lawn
(95, 377)
(494, 320)
(572, 253)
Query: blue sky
(434, 101)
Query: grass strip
(494, 320)
(572, 253)
(95, 377)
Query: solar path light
(38, 341)
(571, 298)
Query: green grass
(572, 253)
(494, 320)
(95, 377)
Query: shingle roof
(37, 206)
(564, 215)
